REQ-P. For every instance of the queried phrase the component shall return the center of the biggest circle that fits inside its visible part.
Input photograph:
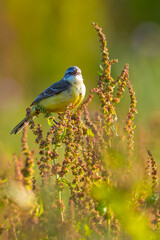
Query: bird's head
(72, 72)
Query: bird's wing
(55, 88)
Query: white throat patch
(75, 79)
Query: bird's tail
(21, 125)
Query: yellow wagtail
(70, 89)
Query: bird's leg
(55, 122)
(52, 122)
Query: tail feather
(20, 125)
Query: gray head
(72, 71)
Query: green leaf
(101, 67)
(152, 200)
(65, 182)
(90, 133)
(3, 180)
(39, 209)
(102, 207)
(87, 230)
(63, 134)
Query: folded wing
(55, 88)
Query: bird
(70, 89)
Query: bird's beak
(75, 73)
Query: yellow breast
(59, 102)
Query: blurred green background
(40, 39)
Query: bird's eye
(72, 72)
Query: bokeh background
(40, 39)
